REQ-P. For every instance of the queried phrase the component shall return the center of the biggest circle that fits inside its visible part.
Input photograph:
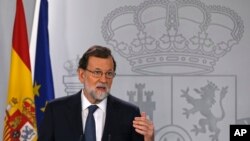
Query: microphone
(109, 137)
(80, 138)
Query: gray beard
(98, 97)
(94, 95)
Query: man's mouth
(101, 88)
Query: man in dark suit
(66, 118)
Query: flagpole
(33, 39)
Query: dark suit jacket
(63, 120)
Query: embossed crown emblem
(172, 36)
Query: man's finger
(143, 114)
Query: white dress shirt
(99, 115)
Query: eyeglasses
(98, 74)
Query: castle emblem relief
(148, 105)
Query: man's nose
(103, 78)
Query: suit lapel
(74, 114)
(109, 118)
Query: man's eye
(97, 72)
(110, 73)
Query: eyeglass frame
(99, 73)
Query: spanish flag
(20, 119)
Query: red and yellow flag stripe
(20, 118)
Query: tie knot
(92, 108)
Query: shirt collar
(85, 103)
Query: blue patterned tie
(90, 124)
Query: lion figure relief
(203, 105)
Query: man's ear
(80, 73)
